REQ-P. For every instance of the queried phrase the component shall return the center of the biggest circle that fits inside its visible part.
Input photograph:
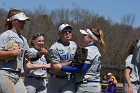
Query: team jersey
(134, 71)
(59, 53)
(42, 72)
(94, 59)
(15, 64)
(136, 54)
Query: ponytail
(99, 34)
(101, 41)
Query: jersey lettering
(66, 57)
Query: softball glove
(10, 45)
(80, 57)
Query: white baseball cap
(65, 28)
(20, 16)
(89, 32)
(109, 74)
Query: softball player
(11, 62)
(131, 73)
(136, 57)
(36, 66)
(87, 77)
(60, 53)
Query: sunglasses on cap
(67, 30)
(37, 35)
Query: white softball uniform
(133, 75)
(136, 57)
(91, 78)
(34, 80)
(61, 82)
(10, 71)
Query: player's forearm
(66, 63)
(6, 54)
(127, 76)
(56, 67)
(35, 66)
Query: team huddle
(69, 72)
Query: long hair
(99, 34)
(132, 47)
(8, 23)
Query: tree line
(117, 36)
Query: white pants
(34, 85)
(11, 83)
(56, 85)
(135, 87)
(91, 87)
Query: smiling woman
(36, 66)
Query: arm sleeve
(75, 69)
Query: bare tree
(128, 19)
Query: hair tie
(8, 19)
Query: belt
(136, 82)
(11, 71)
(59, 76)
(85, 82)
(38, 78)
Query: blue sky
(113, 9)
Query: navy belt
(38, 78)
(136, 82)
(85, 82)
(59, 76)
(11, 71)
